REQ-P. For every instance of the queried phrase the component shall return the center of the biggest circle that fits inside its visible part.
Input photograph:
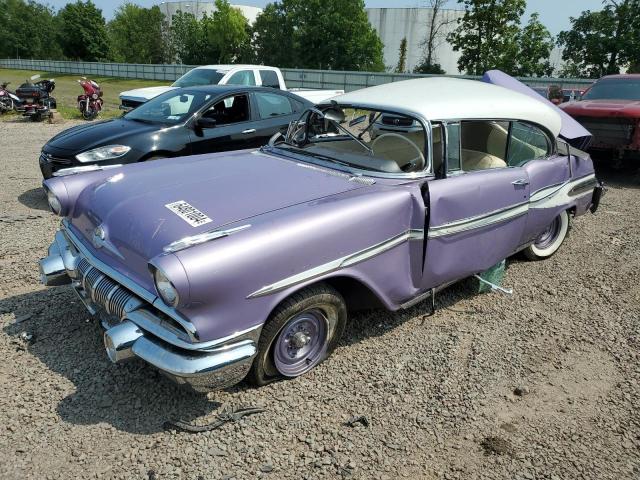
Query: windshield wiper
(315, 155)
(141, 120)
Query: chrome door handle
(247, 132)
(520, 181)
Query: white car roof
(450, 99)
(228, 67)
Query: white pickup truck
(257, 75)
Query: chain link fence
(295, 78)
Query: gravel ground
(543, 384)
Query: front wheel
(301, 332)
(549, 241)
(89, 114)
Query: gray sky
(553, 13)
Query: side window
(483, 144)
(232, 109)
(270, 79)
(453, 147)
(526, 143)
(273, 105)
(243, 77)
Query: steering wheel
(414, 164)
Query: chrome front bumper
(135, 328)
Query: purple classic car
(218, 267)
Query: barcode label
(188, 213)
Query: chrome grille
(104, 291)
(610, 131)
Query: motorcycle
(90, 104)
(36, 98)
(8, 99)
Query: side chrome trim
(547, 197)
(479, 221)
(204, 237)
(338, 263)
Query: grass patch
(68, 89)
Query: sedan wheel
(299, 334)
(549, 241)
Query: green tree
(273, 37)
(187, 39)
(402, 61)
(226, 33)
(487, 35)
(535, 44)
(136, 34)
(82, 32)
(222, 37)
(603, 42)
(433, 38)
(325, 34)
(26, 29)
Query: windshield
(199, 76)
(360, 138)
(614, 89)
(170, 108)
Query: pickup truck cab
(246, 75)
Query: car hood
(85, 137)
(144, 94)
(571, 130)
(603, 108)
(229, 189)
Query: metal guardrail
(295, 78)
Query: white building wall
(394, 24)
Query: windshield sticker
(188, 213)
(173, 117)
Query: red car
(610, 110)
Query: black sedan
(180, 122)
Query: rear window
(273, 105)
(270, 79)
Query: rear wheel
(301, 332)
(549, 241)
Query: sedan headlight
(101, 154)
(165, 288)
(54, 203)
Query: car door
(477, 214)
(275, 111)
(234, 127)
(531, 148)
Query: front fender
(229, 278)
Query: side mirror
(206, 122)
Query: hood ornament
(99, 240)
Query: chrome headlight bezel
(165, 288)
(101, 154)
(54, 202)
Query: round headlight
(165, 288)
(54, 203)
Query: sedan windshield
(199, 76)
(614, 89)
(170, 108)
(360, 138)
